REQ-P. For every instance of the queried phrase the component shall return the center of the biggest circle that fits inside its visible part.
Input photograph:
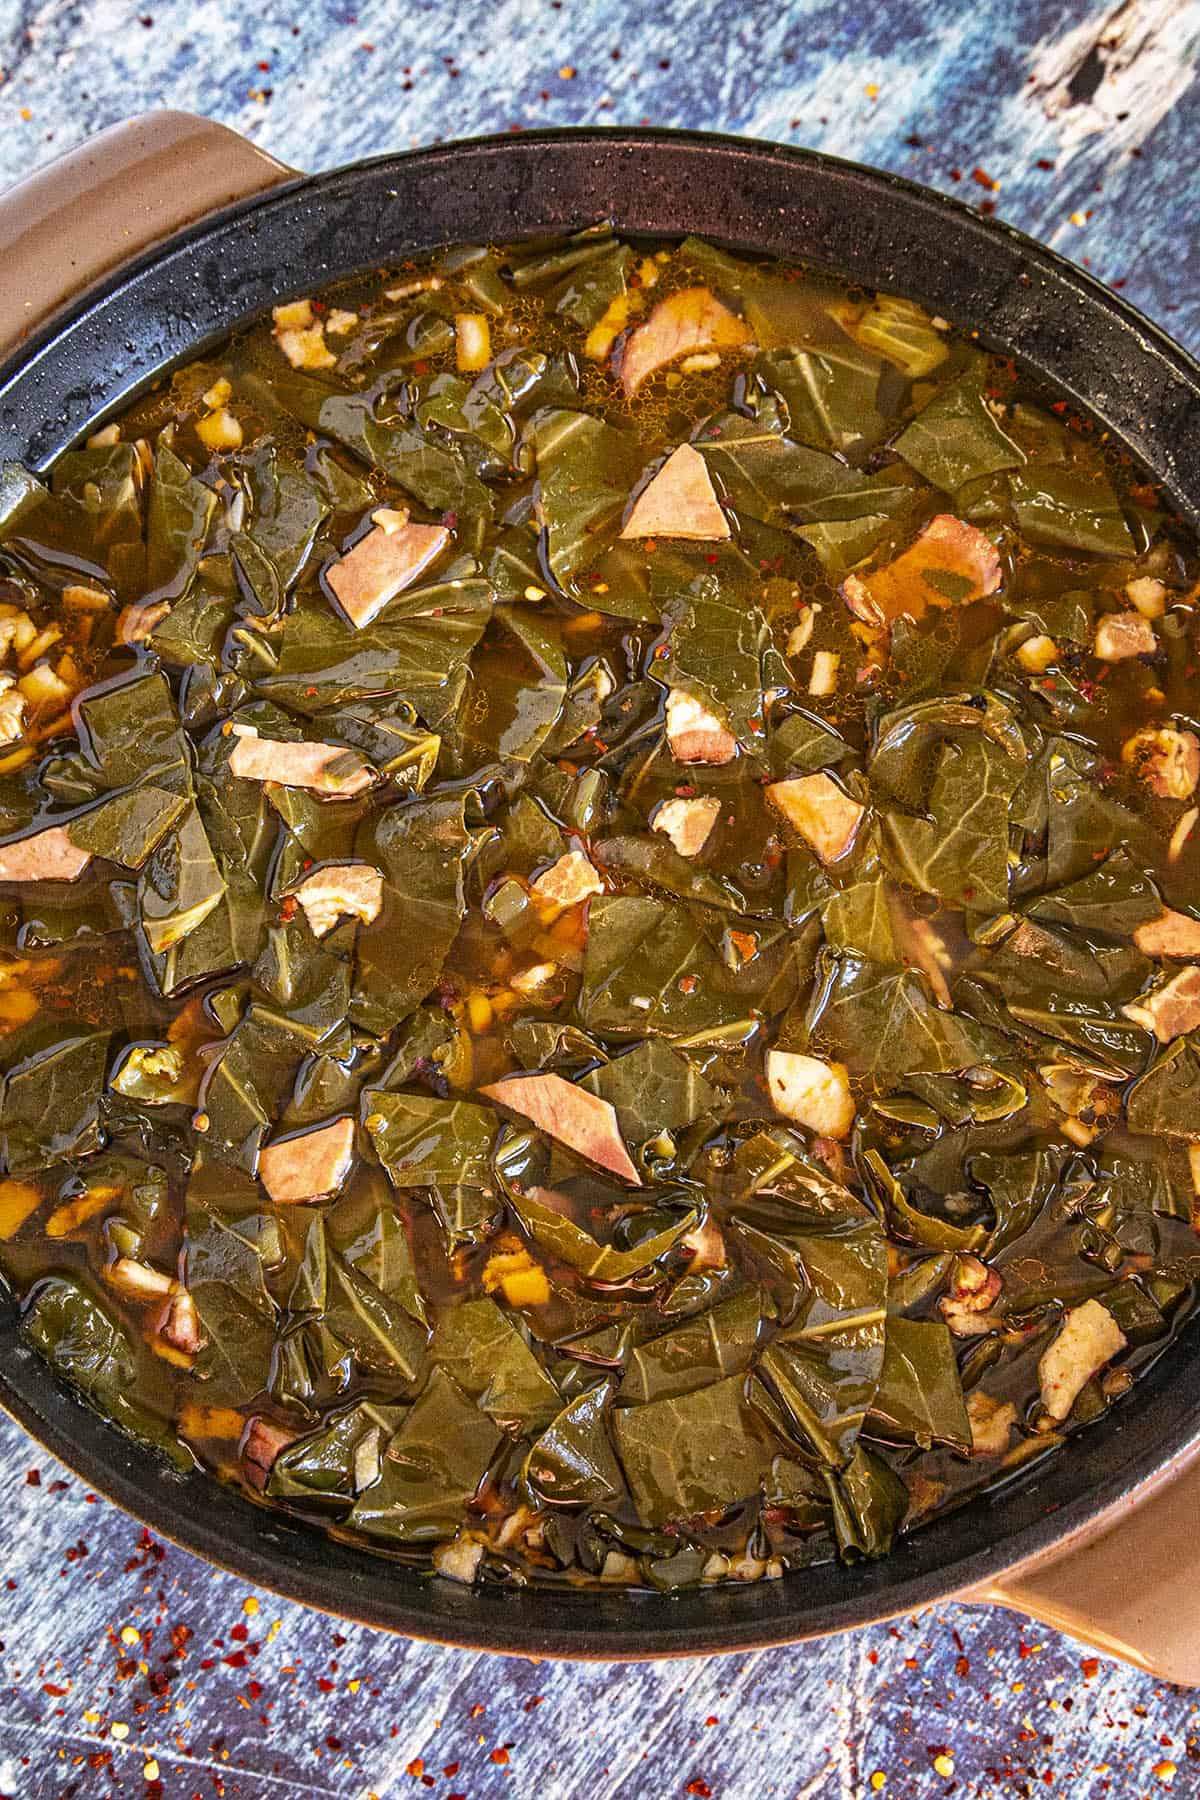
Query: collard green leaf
(1068, 508)
(692, 1453)
(86, 1346)
(433, 1466)
(324, 662)
(831, 404)
(180, 883)
(919, 1399)
(178, 517)
(882, 1021)
(422, 849)
(649, 971)
(573, 1462)
(127, 827)
(824, 1365)
(955, 438)
(715, 653)
(869, 1504)
(959, 851)
(481, 1347)
(234, 1363)
(51, 1103)
(384, 1338)
(717, 1343)
(332, 1466)
(652, 1089)
(1166, 1100)
(585, 470)
(247, 1085)
(425, 1142)
(765, 473)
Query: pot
(165, 233)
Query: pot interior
(1063, 327)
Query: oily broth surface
(78, 962)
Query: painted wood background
(128, 1667)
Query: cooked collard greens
(600, 915)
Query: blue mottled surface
(1085, 118)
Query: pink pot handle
(98, 206)
(1129, 1587)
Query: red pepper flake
(699, 1787)
(988, 207)
(984, 180)
(34, 1478)
(476, 1711)
(500, 1754)
(712, 556)
(49, 1687)
(1089, 1667)
(450, 1769)
(533, 1701)
(325, 1685)
(416, 1768)
(712, 1719)
(235, 1660)
(688, 984)
(962, 1667)
(1044, 162)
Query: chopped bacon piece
(381, 565)
(181, 1326)
(309, 1166)
(1171, 934)
(692, 319)
(1088, 1338)
(1122, 635)
(340, 890)
(569, 880)
(974, 1290)
(688, 823)
(991, 1423)
(694, 734)
(1167, 760)
(951, 563)
(136, 621)
(811, 1092)
(1171, 1009)
(581, 1121)
(261, 1445)
(45, 856)
(680, 502)
(311, 766)
(816, 807)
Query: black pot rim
(1063, 324)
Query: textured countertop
(127, 1666)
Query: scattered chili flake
(699, 1787)
(984, 180)
(34, 1478)
(500, 1754)
(688, 984)
(416, 1768)
(1090, 1667)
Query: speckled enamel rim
(173, 300)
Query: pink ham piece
(694, 734)
(297, 765)
(909, 586)
(262, 1443)
(680, 502)
(46, 856)
(309, 1166)
(581, 1121)
(568, 881)
(382, 564)
(340, 891)
(1171, 934)
(691, 320)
